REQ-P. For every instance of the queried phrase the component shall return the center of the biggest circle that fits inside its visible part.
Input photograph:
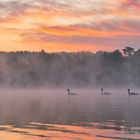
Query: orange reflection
(39, 131)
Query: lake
(53, 115)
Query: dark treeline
(84, 69)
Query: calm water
(53, 115)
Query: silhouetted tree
(128, 51)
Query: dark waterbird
(71, 93)
(105, 93)
(132, 93)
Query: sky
(69, 25)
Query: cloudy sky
(69, 25)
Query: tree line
(81, 69)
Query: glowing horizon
(69, 25)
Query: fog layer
(83, 69)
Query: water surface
(53, 115)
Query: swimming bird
(132, 93)
(105, 93)
(70, 93)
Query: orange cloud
(81, 31)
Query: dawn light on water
(54, 115)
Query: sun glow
(23, 23)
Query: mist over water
(55, 106)
(83, 69)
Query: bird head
(68, 89)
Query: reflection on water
(53, 115)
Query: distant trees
(117, 53)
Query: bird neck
(129, 92)
(69, 92)
(101, 91)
